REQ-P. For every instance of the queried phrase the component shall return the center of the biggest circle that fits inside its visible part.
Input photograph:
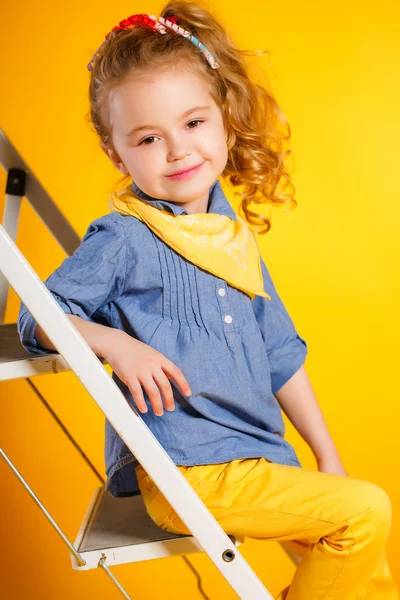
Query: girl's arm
(287, 351)
(135, 363)
(299, 403)
(89, 279)
(98, 337)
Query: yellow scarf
(214, 242)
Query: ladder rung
(121, 530)
(16, 362)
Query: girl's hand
(138, 364)
(331, 464)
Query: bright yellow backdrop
(334, 260)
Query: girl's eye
(151, 137)
(195, 121)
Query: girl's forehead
(168, 80)
(167, 93)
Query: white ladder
(114, 530)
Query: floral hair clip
(160, 24)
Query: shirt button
(221, 292)
(228, 319)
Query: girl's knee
(380, 502)
(378, 513)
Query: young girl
(170, 288)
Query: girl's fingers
(154, 395)
(165, 388)
(176, 374)
(157, 383)
(137, 394)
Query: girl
(171, 286)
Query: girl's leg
(344, 522)
(381, 584)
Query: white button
(228, 319)
(221, 292)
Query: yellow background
(335, 73)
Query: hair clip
(160, 24)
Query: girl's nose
(176, 151)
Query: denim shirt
(235, 353)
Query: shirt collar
(217, 202)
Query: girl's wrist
(102, 339)
(325, 451)
(109, 341)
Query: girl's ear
(115, 158)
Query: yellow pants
(338, 524)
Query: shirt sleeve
(92, 277)
(285, 348)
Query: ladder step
(16, 362)
(121, 530)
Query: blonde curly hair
(252, 117)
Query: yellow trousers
(338, 524)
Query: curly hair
(254, 123)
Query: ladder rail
(19, 185)
(80, 561)
(38, 197)
(12, 209)
(127, 422)
(48, 516)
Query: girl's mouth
(185, 174)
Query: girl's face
(166, 123)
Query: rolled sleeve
(26, 331)
(92, 277)
(286, 350)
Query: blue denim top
(124, 276)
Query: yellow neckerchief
(214, 242)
